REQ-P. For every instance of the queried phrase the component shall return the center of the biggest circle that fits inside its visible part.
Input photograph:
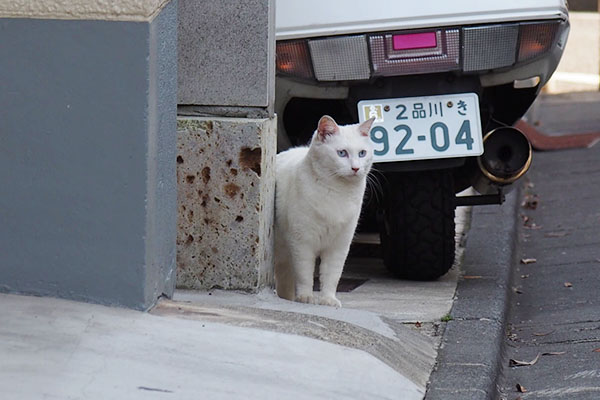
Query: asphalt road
(553, 335)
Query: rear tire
(417, 224)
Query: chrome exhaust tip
(506, 157)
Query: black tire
(417, 224)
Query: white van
(446, 81)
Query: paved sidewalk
(579, 67)
(58, 349)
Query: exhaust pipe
(506, 157)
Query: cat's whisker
(375, 189)
(334, 174)
(373, 193)
(381, 179)
(380, 174)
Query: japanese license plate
(420, 128)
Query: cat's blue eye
(342, 153)
(362, 153)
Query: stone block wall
(226, 144)
(226, 53)
(225, 181)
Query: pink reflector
(415, 41)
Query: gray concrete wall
(161, 197)
(226, 53)
(87, 150)
(226, 144)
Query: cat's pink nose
(355, 169)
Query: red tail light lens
(410, 41)
(293, 58)
(415, 53)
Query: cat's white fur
(319, 193)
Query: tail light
(536, 39)
(470, 49)
(411, 41)
(415, 53)
(292, 58)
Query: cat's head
(344, 151)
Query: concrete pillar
(87, 149)
(226, 144)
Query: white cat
(319, 193)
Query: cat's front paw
(329, 301)
(308, 298)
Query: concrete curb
(470, 356)
(407, 351)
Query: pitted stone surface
(225, 189)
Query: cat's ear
(327, 127)
(365, 127)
